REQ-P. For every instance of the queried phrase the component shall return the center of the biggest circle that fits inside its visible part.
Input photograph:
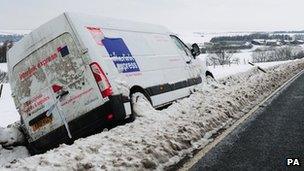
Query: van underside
(85, 125)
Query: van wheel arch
(139, 89)
(133, 90)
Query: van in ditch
(77, 74)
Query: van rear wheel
(135, 98)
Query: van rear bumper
(85, 125)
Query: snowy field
(8, 112)
(220, 72)
(3, 67)
(158, 139)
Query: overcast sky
(198, 15)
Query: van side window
(181, 46)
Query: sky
(177, 15)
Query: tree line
(3, 50)
(250, 37)
(13, 37)
(269, 54)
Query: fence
(1, 88)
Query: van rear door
(52, 88)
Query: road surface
(267, 139)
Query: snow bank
(220, 72)
(10, 138)
(8, 112)
(3, 67)
(160, 139)
(11, 155)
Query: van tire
(134, 97)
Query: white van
(77, 74)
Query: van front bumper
(85, 125)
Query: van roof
(112, 23)
(51, 29)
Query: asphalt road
(266, 139)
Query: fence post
(1, 87)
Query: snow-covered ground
(160, 139)
(3, 67)
(244, 56)
(8, 112)
(226, 70)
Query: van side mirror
(195, 50)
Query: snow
(11, 155)
(11, 136)
(8, 112)
(226, 70)
(158, 139)
(122, 86)
(3, 67)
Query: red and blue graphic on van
(64, 51)
(56, 88)
(120, 54)
(117, 50)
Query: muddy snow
(159, 139)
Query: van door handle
(188, 62)
(62, 94)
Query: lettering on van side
(34, 103)
(73, 98)
(117, 50)
(33, 69)
(64, 51)
(120, 54)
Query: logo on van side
(117, 50)
(120, 54)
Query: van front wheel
(137, 100)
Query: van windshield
(181, 46)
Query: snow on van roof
(58, 25)
(80, 19)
